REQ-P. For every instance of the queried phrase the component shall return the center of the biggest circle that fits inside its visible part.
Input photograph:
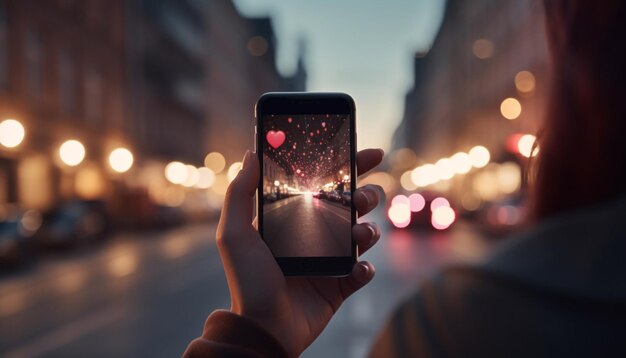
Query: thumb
(238, 205)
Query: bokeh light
(437, 202)
(72, 152)
(215, 161)
(11, 133)
(416, 202)
(526, 146)
(233, 170)
(206, 178)
(485, 184)
(461, 163)
(479, 156)
(509, 177)
(192, 176)
(407, 182)
(121, 160)
(445, 169)
(176, 172)
(443, 217)
(483, 49)
(90, 182)
(425, 175)
(400, 199)
(525, 82)
(400, 215)
(510, 108)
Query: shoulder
(462, 310)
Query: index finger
(367, 159)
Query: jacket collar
(582, 252)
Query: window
(33, 59)
(94, 96)
(67, 82)
(3, 46)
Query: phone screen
(307, 193)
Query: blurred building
(168, 80)
(167, 51)
(62, 76)
(241, 65)
(485, 52)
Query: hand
(294, 309)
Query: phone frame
(302, 103)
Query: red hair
(582, 160)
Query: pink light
(416, 202)
(400, 199)
(437, 202)
(401, 225)
(442, 217)
(399, 215)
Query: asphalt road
(148, 295)
(305, 226)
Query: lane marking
(325, 206)
(282, 205)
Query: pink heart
(275, 138)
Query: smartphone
(306, 145)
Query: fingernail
(246, 159)
(370, 197)
(364, 271)
(373, 231)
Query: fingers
(367, 159)
(362, 273)
(367, 197)
(365, 235)
(238, 204)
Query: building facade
(168, 80)
(241, 66)
(62, 76)
(477, 60)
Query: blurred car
(334, 196)
(77, 222)
(346, 198)
(421, 215)
(168, 216)
(503, 217)
(17, 229)
(270, 198)
(320, 195)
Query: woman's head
(583, 142)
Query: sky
(362, 47)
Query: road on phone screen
(306, 226)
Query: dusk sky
(364, 48)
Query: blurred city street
(148, 295)
(123, 122)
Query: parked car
(270, 198)
(77, 222)
(17, 229)
(334, 196)
(320, 195)
(346, 198)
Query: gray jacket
(557, 290)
